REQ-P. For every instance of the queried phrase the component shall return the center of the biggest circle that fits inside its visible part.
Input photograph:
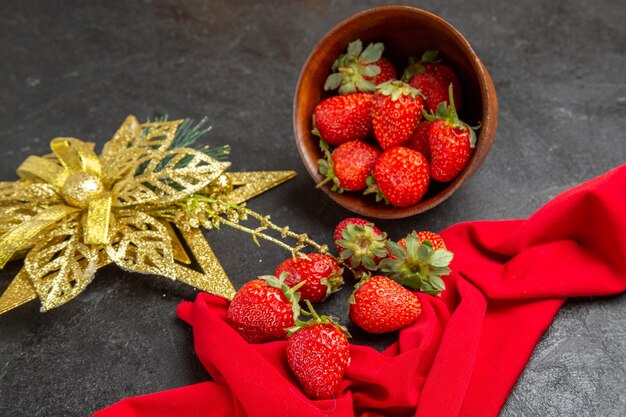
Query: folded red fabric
(462, 357)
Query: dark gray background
(78, 68)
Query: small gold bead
(219, 186)
(80, 188)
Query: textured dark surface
(79, 69)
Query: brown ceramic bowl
(405, 31)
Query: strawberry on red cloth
(464, 354)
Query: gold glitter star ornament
(73, 211)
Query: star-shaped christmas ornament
(139, 204)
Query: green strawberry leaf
(428, 243)
(291, 294)
(412, 281)
(368, 263)
(442, 111)
(364, 86)
(380, 252)
(333, 283)
(333, 81)
(396, 89)
(429, 289)
(429, 116)
(372, 188)
(386, 265)
(372, 53)
(429, 57)
(437, 283)
(395, 249)
(354, 48)
(346, 232)
(347, 88)
(411, 243)
(346, 253)
(326, 167)
(423, 252)
(415, 67)
(441, 258)
(441, 271)
(371, 71)
(323, 166)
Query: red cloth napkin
(462, 357)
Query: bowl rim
(486, 135)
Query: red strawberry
(360, 70)
(321, 274)
(318, 353)
(348, 166)
(401, 176)
(396, 112)
(433, 79)
(360, 243)
(380, 305)
(263, 308)
(419, 140)
(387, 72)
(451, 150)
(417, 265)
(435, 240)
(450, 140)
(340, 119)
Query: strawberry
(401, 177)
(318, 353)
(340, 119)
(435, 240)
(360, 243)
(348, 166)
(360, 70)
(450, 140)
(380, 305)
(396, 112)
(263, 308)
(387, 72)
(321, 274)
(418, 265)
(419, 140)
(433, 78)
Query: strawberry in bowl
(347, 62)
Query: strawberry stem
(312, 311)
(348, 71)
(299, 285)
(317, 320)
(323, 182)
(452, 108)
